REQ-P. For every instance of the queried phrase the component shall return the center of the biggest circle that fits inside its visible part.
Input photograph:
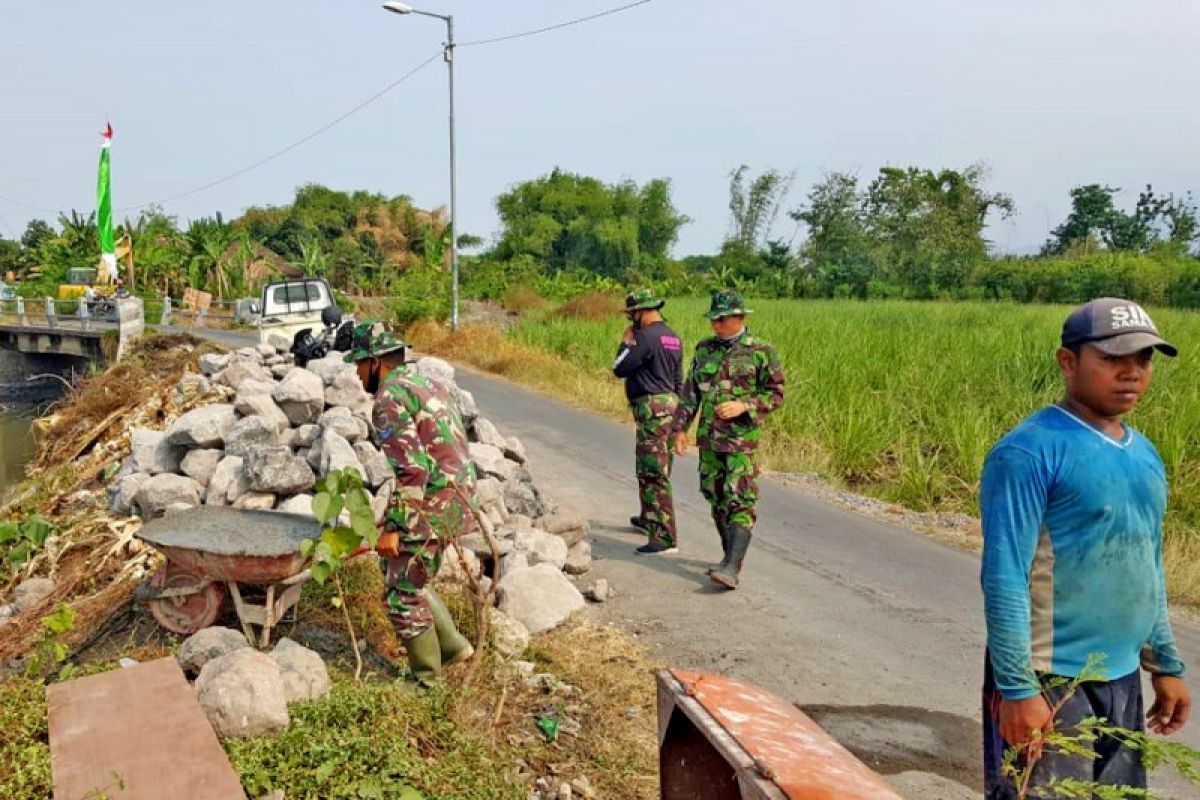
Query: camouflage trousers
(655, 416)
(729, 482)
(421, 552)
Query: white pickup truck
(290, 306)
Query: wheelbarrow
(213, 553)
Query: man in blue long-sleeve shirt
(1072, 508)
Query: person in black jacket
(650, 360)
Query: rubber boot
(424, 657)
(727, 574)
(454, 646)
(724, 531)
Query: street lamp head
(398, 8)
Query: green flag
(108, 253)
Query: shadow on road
(893, 739)
(619, 543)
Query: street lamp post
(448, 53)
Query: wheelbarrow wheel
(191, 612)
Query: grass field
(903, 400)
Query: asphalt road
(875, 630)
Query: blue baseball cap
(1114, 326)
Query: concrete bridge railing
(69, 327)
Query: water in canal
(16, 446)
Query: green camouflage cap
(372, 339)
(643, 299)
(727, 303)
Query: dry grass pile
(522, 300)
(489, 349)
(592, 306)
(91, 414)
(92, 557)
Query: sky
(1049, 94)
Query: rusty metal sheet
(135, 734)
(788, 748)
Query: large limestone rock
(120, 500)
(251, 434)
(514, 450)
(251, 354)
(521, 496)
(332, 452)
(375, 464)
(568, 524)
(276, 471)
(509, 637)
(212, 363)
(199, 465)
(342, 422)
(300, 504)
(305, 436)
(329, 367)
(228, 483)
(456, 568)
(540, 598)
(491, 461)
(206, 426)
(152, 453)
(435, 369)
(262, 405)
(301, 395)
(255, 501)
(579, 559)
(541, 548)
(240, 371)
(347, 391)
(243, 694)
(487, 433)
(205, 645)
(489, 491)
(464, 403)
(304, 674)
(160, 492)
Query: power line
(28, 206)
(314, 134)
(549, 28)
(294, 144)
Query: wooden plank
(135, 734)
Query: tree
(837, 232)
(567, 221)
(36, 232)
(1095, 219)
(754, 206)
(928, 226)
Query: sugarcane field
(599, 401)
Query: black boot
(727, 574)
(725, 539)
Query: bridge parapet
(69, 327)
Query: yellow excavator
(80, 279)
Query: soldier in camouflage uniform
(416, 426)
(650, 359)
(735, 382)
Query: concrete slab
(135, 734)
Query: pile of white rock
(261, 431)
(245, 692)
